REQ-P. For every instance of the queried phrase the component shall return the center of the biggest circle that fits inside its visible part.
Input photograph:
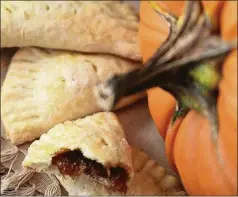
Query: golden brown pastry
(91, 154)
(45, 87)
(84, 26)
(151, 179)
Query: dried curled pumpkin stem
(178, 66)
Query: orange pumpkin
(189, 147)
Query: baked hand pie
(45, 87)
(151, 179)
(91, 152)
(109, 27)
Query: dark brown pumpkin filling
(73, 163)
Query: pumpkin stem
(184, 65)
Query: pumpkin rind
(227, 101)
(163, 112)
(196, 159)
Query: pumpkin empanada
(92, 152)
(45, 87)
(150, 179)
(86, 26)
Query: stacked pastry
(65, 49)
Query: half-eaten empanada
(86, 26)
(92, 152)
(45, 87)
(150, 179)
